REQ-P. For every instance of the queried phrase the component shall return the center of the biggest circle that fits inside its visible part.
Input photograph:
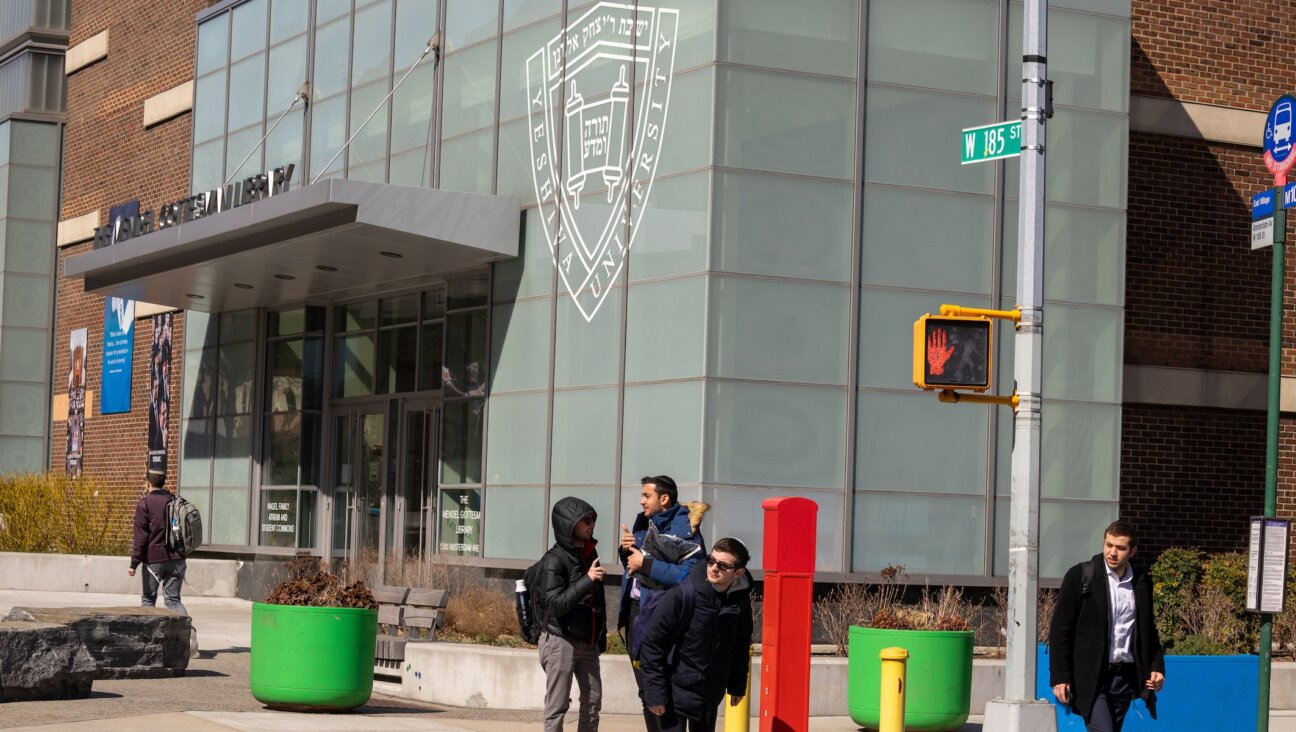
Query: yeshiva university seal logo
(597, 96)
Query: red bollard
(785, 629)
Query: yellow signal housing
(953, 352)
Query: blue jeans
(172, 575)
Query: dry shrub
(1044, 607)
(311, 585)
(437, 573)
(482, 614)
(881, 606)
(53, 513)
(947, 609)
(1212, 615)
(845, 605)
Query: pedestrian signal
(952, 352)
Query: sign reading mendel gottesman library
(578, 95)
(207, 203)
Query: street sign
(1262, 233)
(1262, 205)
(1279, 138)
(992, 142)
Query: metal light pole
(1018, 711)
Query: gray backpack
(185, 529)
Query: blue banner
(118, 351)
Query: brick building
(386, 362)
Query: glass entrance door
(416, 478)
(359, 487)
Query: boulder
(43, 661)
(125, 642)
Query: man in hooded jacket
(575, 616)
(689, 663)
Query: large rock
(43, 661)
(125, 642)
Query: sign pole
(1019, 711)
(1271, 436)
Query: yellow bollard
(892, 701)
(736, 716)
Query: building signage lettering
(586, 133)
(207, 203)
(461, 522)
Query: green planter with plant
(313, 642)
(938, 635)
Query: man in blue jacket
(651, 570)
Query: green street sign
(992, 142)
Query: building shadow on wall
(1196, 297)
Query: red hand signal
(937, 352)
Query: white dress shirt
(1120, 590)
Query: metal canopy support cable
(303, 94)
(1018, 711)
(433, 45)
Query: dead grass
(483, 614)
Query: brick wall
(110, 158)
(1224, 52)
(1192, 476)
(1196, 295)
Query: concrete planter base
(92, 573)
(484, 677)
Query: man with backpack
(1103, 644)
(572, 615)
(697, 645)
(657, 554)
(163, 565)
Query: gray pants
(562, 659)
(172, 575)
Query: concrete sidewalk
(214, 696)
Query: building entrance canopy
(331, 241)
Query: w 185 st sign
(597, 96)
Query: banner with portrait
(118, 353)
(76, 400)
(159, 392)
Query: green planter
(938, 676)
(312, 658)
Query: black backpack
(530, 605)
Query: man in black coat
(1103, 642)
(689, 663)
(575, 616)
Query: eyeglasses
(713, 562)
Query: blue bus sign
(1280, 138)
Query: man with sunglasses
(690, 663)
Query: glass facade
(731, 303)
(30, 153)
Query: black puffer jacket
(712, 653)
(574, 606)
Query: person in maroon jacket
(162, 566)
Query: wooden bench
(406, 614)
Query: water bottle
(523, 601)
